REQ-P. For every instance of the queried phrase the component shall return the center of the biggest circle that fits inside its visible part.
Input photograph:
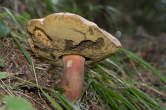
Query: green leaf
(4, 29)
(53, 102)
(3, 75)
(17, 103)
(2, 109)
(1, 62)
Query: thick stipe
(73, 77)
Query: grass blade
(25, 52)
(1, 62)
(66, 102)
(146, 64)
(143, 96)
(116, 96)
(14, 19)
(53, 102)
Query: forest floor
(150, 48)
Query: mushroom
(69, 40)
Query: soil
(16, 65)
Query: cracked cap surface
(62, 34)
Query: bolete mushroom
(69, 40)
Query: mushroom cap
(62, 34)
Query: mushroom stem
(73, 77)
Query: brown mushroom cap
(66, 34)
